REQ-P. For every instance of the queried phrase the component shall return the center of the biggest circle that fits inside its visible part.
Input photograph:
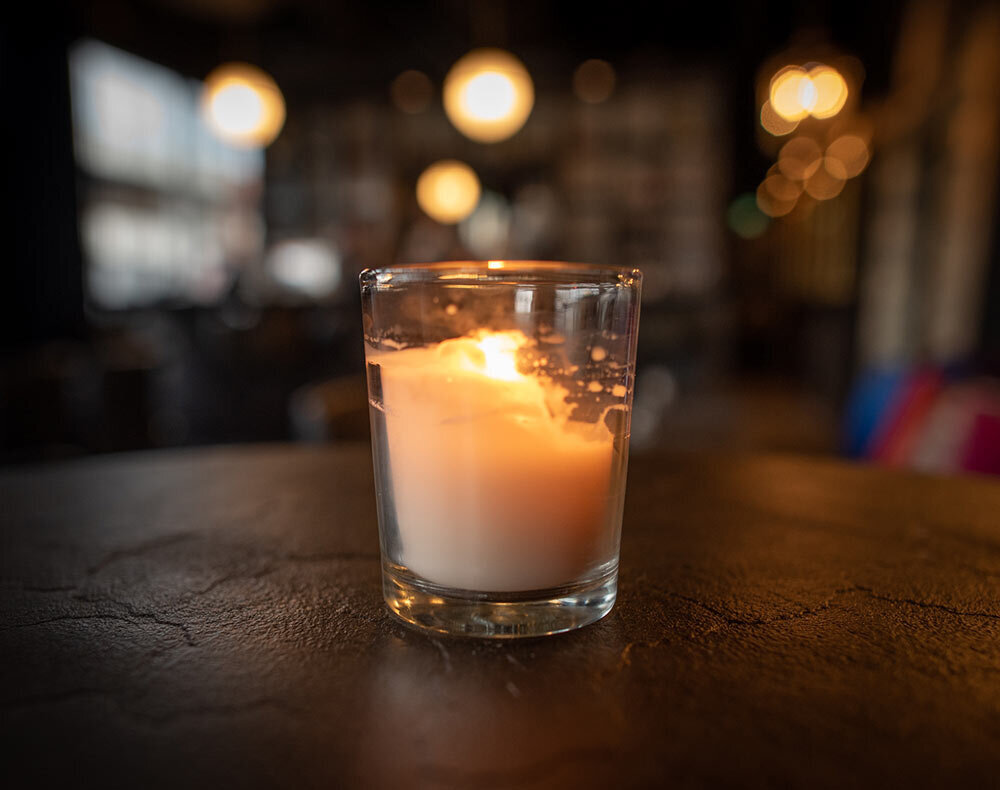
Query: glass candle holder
(500, 396)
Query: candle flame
(500, 354)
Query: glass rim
(501, 271)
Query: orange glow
(488, 95)
(799, 158)
(782, 189)
(412, 91)
(774, 123)
(830, 90)
(500, 355)
(594, 81)
(243, 105)
(771, 205)
(828, 181)
(851, 151)
(494, 264)
(448, 191)
(795, 94)
(835, 168)
(791, 93)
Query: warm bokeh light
(851, 151)
(488, 95)
(795, 94)
(448, 191)
(781, 188)
(835, 168)
(412, 91)
(827, 181)
(790, 93)
(830, 91)
(594, 81)
(243, 105)
(774, 123)
(799, 158)
(771, 205)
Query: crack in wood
(132, 619)
(139, 550)
(925, 604)
(231, 577)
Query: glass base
(497, 615)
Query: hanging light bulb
(243, 105)
(488, 95)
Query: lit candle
(493, 487)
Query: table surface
(214, 617)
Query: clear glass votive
(500, 395)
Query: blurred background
(810, 190)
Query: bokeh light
(851, 151)
(243, 105)
(308, 266)
(488, 95)
(745, 218)
(799, 158)
(774, 123)
(594, 81)
(788, 87)
(830, 91)
(835, 168)
(781, 188)
(795, 94)
(826, 182)
(771, 205)
(448, 191)
(486, 231)
(412, 91)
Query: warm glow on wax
(500, 351)
(494, 486)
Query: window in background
(169, 213)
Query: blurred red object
(982, 450)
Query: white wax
(492, 491)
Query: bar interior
(254, 512)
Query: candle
(494, 487)
(500, 453)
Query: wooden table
(213, 618)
